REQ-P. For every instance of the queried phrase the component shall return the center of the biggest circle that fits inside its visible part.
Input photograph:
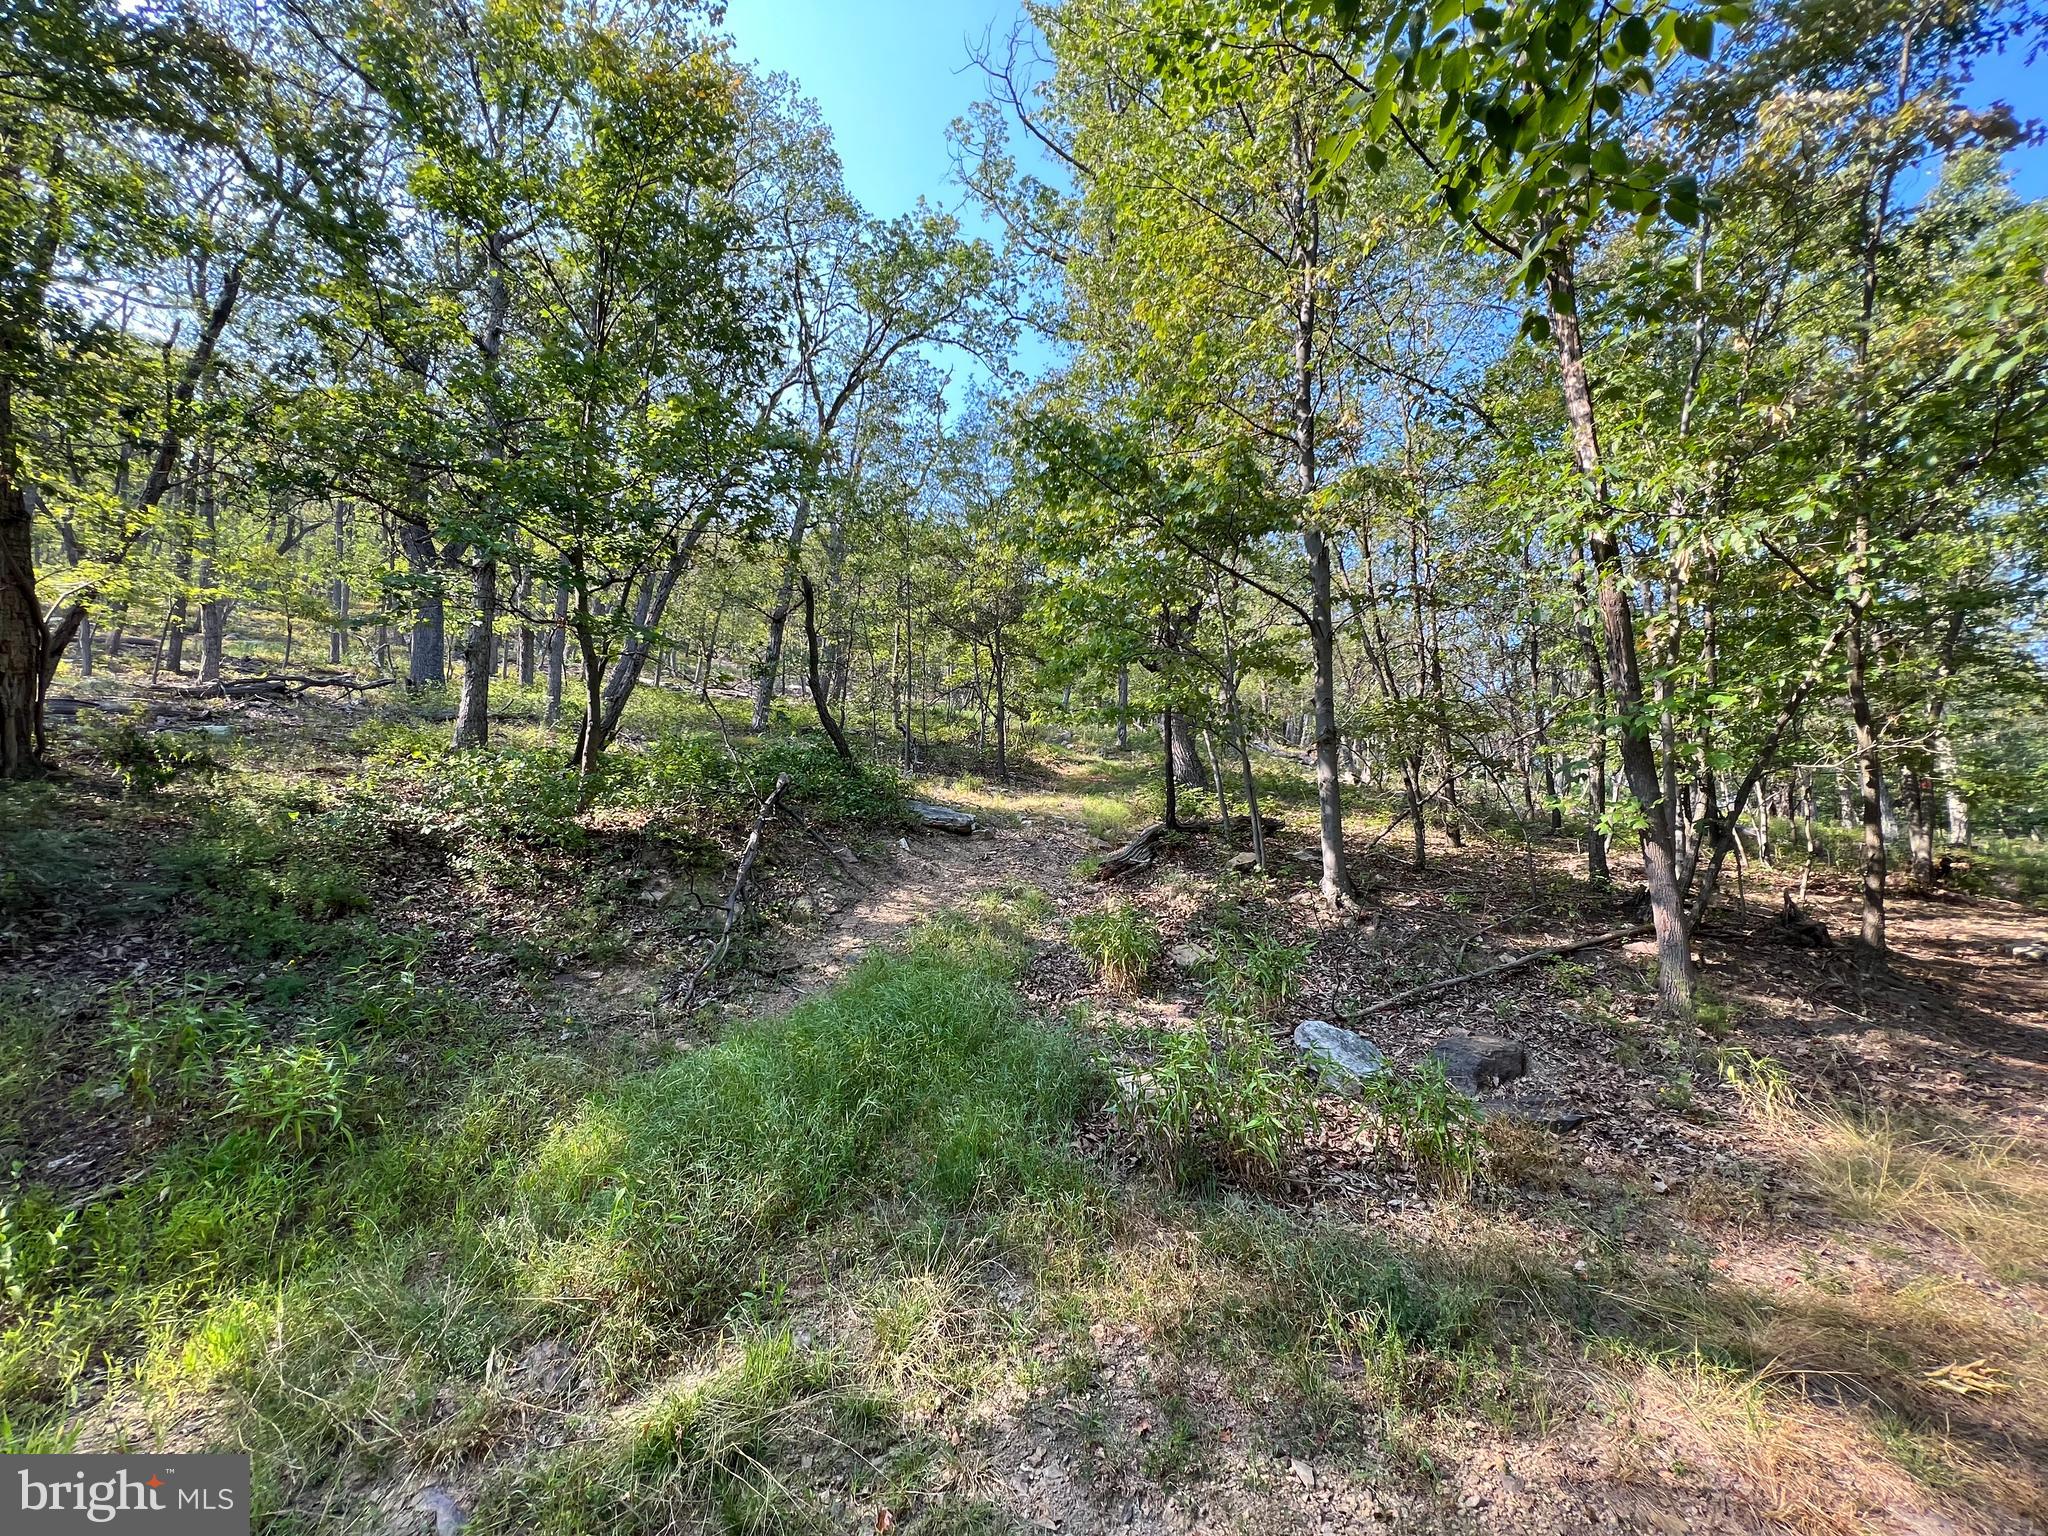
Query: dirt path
(832, 918)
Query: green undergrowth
(367, 1225)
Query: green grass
(1120, 941)
(333, 1263)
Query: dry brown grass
(1985, 1193)
(1914, 1379)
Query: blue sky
(890, 76)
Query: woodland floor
(1788, 1274)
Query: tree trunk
(473, 706)
(22, 636)
(1411, 789)
(1958, 804)
(1870, 777)
(1617, 617)
(558, 656)
(778, 616)
(816, 678)
(1920, 820)
(1172, 817)
(427, 661)
(1123, 707)
(1596, 765)
(1187, 762)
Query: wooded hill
(1625, 419)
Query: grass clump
(1761, 1082)
(1235, 1106)
(1255, 973)
(1121, 943)
(1105, 819)
(1432, 1127)
(272, 879)
(1985, 1192)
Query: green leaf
(1695, 35)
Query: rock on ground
(1341, 1055)
(1473, 1063)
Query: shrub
(1233, 1107)
(1120, 941)
(697, 781)
(1433, 1127)
(501, 794)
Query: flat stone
(2030, 949)
(1642, 949)
(1244, 863)
(1551, 1114)
(1190, 957)
(1473, 1063)
(1341, 1055)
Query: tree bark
(1187, 762)
(427, 659)
(778, 616)
(817, 681)
(558, 656)
(473, 704)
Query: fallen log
(736, 902)
(941, 818)
(290, 686)
(64, 708)
(1141, 850)
(1138, 853)
(1534, 957)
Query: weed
(1254, 973)
(1120, 941)
(1761, 1082)
(1435, 1128)
(168, 1047)
(146, 761)
(293, 1095)
(1237, 1107)
(1107, 820)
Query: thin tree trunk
(1638, 757)
(817, 681)
(778, 616)
(558, 656)
(473, 704)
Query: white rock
(1190, 956)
